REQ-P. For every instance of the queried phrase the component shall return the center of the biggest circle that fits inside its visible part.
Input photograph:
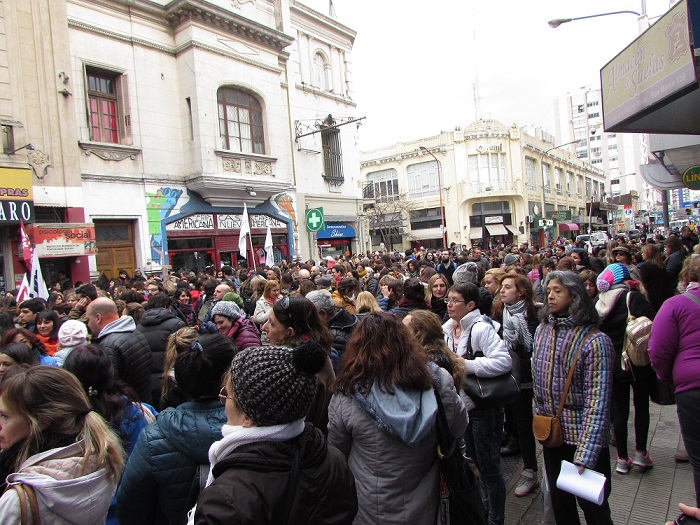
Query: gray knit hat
(511, 258)
(466, 273)
(227, 309)
(275, 385)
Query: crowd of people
(305, 392)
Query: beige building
(494, 181)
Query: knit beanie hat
(511, 258)
(466, 273)
(613, 274)
(275, 385)
(227, 309)
(72, 333)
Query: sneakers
(642, 460)
(526, 484)
(623, 465)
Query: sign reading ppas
(16, 198)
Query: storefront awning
(568, 227)
(496, 229)
(512, 229)
(476, 233)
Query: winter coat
(405, 307)
(249, 484)
(585, 419)
(244, 334)
(260, 317)
(163, 464)
(63, 493)
(674, 346)
(341, 326)
(130, 353)
(612, 309)
(654, 279)
(484, 338)
(373, 286)
(391, 445)
(674, 265)
(342, 301)
(439, 307)
(157, 324)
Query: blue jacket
(163, 464)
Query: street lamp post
(542, 173)
(442, 211)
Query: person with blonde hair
(492, 280)
(436, 293)
(58, 447)
(366, 303)
(263, 306)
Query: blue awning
(337, 231)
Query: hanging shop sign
(337, 231)
(16, 197)
(62, 239)
(560, 215)
(691, 178)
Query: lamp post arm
(559, 21)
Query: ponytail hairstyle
(92, 366)
(179, 341)
(200, 367)
(52, 399)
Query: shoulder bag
(460, 495)
(636, 344)
(547, 429)
(491, 392)
(27, 503)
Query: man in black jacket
(129, 349)
(157, 323)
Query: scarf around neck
(515, 329)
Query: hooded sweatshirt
(63, 493)
(391, 445)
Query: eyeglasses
(453, 301)
(222, 395)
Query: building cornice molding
(115, 152)
(194, 44)
(306, 88)
(120, 37)
(181, 12)
(299, 12)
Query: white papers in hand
(590, 485)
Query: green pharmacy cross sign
(314, 219)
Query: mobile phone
(684, 519)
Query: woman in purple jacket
(674, 349)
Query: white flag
(269, 253)
(245, 230)
(37, 286)
(23, 292)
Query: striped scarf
(515, 329)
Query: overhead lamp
(559, 21)
(30, 147)
(250, 191)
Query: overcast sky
(415, 62)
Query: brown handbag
(547, 429)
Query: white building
(494, 181)
(159, 119)
(579, 116)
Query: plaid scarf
(515, 329)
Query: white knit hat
(72, 333)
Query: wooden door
(115, 248)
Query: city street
(648, 498)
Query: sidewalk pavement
(638, 498)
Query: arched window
(240, 121)
(321, 72)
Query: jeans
(483, 441)
(521, 410)
(687, 403)
(641, 390)
(564, 503)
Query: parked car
(598, 239)
(634, 235)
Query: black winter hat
(275, 385)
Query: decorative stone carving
(248, 165)
(107, 152)
(263, 168)
(232, 165)
(39, 161)
(237, 4)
